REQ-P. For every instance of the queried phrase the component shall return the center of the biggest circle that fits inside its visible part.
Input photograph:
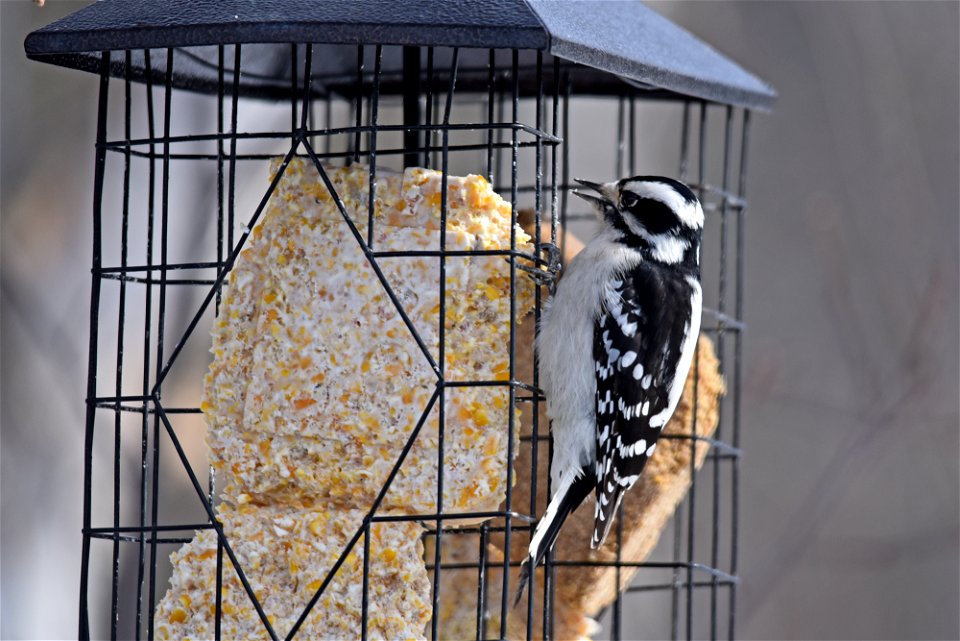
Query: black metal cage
(528, 94)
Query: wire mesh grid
(161, 257)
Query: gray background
(850, 482)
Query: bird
(615, 344)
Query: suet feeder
(340, 191)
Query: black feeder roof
(623, 38)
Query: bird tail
(603, 516)
(574, 488)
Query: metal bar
(724, 450)
(554, 221)
(365, 584)
(308, 116)
(357, 129)
(411, 103)
(234, 114)
(211, 514)
(678, 515)
(441, 358)
(721, 306)
(435, 149)
(294, 90)
(729, 323)
(617, 615)
(392, 151)
(118, 382)
(537, 220)
(343, 84)
(738, 373)
(148, 528)
(110, 405)
(535, 417)
(631, 151)
(505, 595)
(632, 147)
(565, 193)
(218, 594)
(498, 144)
(158, 268)
(358, 107)
(221, 88)
(632, 168)
(453, 516)
(147, 326)
(728, 198)
(377, 518)
(491, 98)
(712, 442)
(106, 401)
(580, 564)
(327, 123)
(234, 109)
(150, 281)
(669, 586)
(428, 104)
(699, 567)
(620, 140)
(685, 142)
(161, 318)
(692, 492)
(414, 253)
(97, 256)
(161, 540)
(549, 568)
(372, 144)
(554, 218)
(482, 583)
(306, 108)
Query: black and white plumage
(615, 344)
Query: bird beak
(603, 200)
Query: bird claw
(545, 270)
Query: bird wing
(638, 339)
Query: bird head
(657, 214)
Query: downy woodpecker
(615, 342)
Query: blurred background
(850, 504)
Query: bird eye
(628, 200)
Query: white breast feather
(565, 343)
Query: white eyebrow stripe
(691, 214)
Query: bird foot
(546, 270)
